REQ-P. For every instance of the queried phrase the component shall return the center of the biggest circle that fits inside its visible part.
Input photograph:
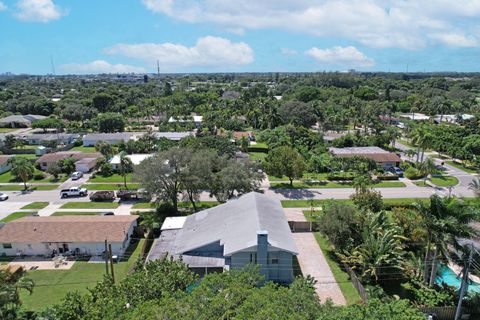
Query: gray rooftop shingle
(235, 224)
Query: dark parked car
(397, 171)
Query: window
(29, 246)
(253, 257)
(274, 260)
(7, 246)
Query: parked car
(102, 196)
(73, 192)
(397, 171)
(76, 175)
(3, 196)
(107, 213)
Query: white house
(197, 120)
(89, 140)
(79, 235)
(135, 158)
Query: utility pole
(111, 262)
(106, 258)
(464, 286)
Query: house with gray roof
(20, 121)
(249, 230)
(89, 140)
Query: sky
(124, 36)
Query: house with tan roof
(81, 162)
(75, 235)
(384, 158)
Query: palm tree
(427, 168)
(22, 169)
(444, 220)
(474, 185)
(124, 167)
(9, 295)
(381, 248)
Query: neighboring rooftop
(172, 135)
(26, 119)
(4, 159)
(66, 229)
(135, 158)
(78, 155)
(375, 153)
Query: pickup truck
(73, 192)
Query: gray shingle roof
(235, 224)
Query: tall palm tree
(22, 169)
(474, 185)
(124, 167)
(444, 220)
(427, 168)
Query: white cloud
(409, 24)
(3, 7)
(100, 66)
(207, 52)
(455, 39)
(38, 11)
(288, 52)
(343, 56)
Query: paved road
(312, 262)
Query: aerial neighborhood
(290, 187)
(237, 160)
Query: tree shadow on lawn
(297, 194)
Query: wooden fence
(356, 283)
(448, 313)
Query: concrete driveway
(313, 263)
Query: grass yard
(461, 167)
(84, 149)
(306, 176)
(29, 156)
(319, 202)
(19, 187)
(36, 205)
(75, 213)
(90, 205)
(342, 278)
(421, 183)
(257, 156)
(16, 215)
(52, 285)
(7, 177)
(4, 130)
(110, 186)
(115, 178)
(330, 184)
(182, 204)
(444, 181)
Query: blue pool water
(447, 276)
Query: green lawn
(330, 184)
(26, 146)
(7, 177)
(113, 178)
(16, 215)
(257, 156)
(18, 187)
(110, 186)
(306, 176)
(52, 285)
(461, 167)
(4, 130)
(421, 183)
(320, 202)
(182, 204)
(90, 205)
(71, 213)
(444, 181)
(36, 205)
(29, 156)
(84, 149)
(342, 278)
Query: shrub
(336, 176)
(413, 174)
(38, 176)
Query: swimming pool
(447, 276)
